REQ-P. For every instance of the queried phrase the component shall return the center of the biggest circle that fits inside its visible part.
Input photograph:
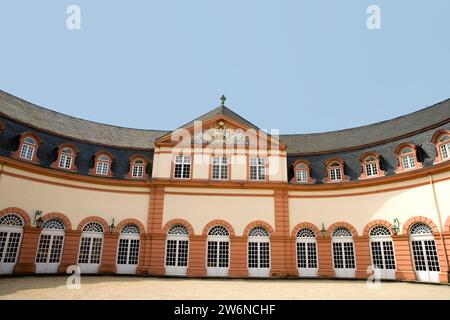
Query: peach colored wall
(359, 210)
(198, 210)
(74, 202)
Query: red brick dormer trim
(441, 138)
(97, 156)
(335, 163)
(26, 139)
(137, 160)
(405, 150)
(66, 149)
(370, 158)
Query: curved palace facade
(220, 197)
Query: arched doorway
(343, 253)
(218, 252)
(11, 231)
(51, 243)
(128, 249)
(258, 252)
(306, 253)
(91, 246)
(177, 250)
(382, 252)
(426, 261)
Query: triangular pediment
(220, 125)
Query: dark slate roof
(47, 151)
(369, 134)
(68, 126)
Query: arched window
(302, 172)
(442, 141)
(128, 249)
(258, 252)
(335, 171)
(177, 250)
(407, 158)
(218, 251)
(51, 242)
(343, 253)
(66, 157)
(138, 166)
(11, 230)
(306, 253)
(426, 261)
(382, 252)
(91, 246)
(103, 164)
(371, 166)
(28, 147)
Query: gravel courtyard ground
(122, 287)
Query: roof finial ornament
(222, 100)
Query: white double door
(383, 257)
(128, 254)
(218, 256)
(90, 253)
(307, 265)
(10, 241)
(426, 260)
(344, 257)
(258, 257)
(49, 252)
(177, 251)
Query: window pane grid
(445, 151)
(408, 161)
(312, 255)
(301, 255)
(102, 168)
(138, 171)
(335, 174)
(371, 169)
(212, 254)
(302, 176)
(224, 247)
(220, 168)
(258, 169)
(12, 248)
(122, 252)
(27, 152)
(44, 246)
(338, 258)
(65, 161)
(182, 167)
(56, 249)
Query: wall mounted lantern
(396, 227)
(38, 221)
(323, 231)
(112, 226)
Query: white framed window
(50, 248)
(258, 168)
(220, 168)
(128, 249)
(407, 158)
(66, 158)
(28, 148)
(182, 167)
(258, 252)
(218, 251)
(137, 170)
(91, 247)
(445, 151)
(335, 171)
(382, 252)
(371, 166)
(307, 262)
(11, 231)
(177, 250)
(301, 174)
(102, 165)
(343, 253)
(423, 246)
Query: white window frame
(27, 150)
(344, 272)
(445, 151)
(138, 168)
(177, 270)
(258, 241)
(371, 168)
(66, 159)
(102, 167)
(335, 173)
(408, 161)
(302, 175)
(307, 241)
(220, 241)
(384, 242)
(47, 266)
(90, 267)
(184, 162)
(128, 238)
(221, 164)
(258, 164)
(424, 275)
(8, 267)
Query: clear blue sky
(299, 66)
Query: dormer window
(407, 158)
(335, 170)
(371, 166)
(301, 172)
(442, 141)
(182, 167)
(137, 170)
(28, 147)
(138, 165)
(102, 164)
(66, 157)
